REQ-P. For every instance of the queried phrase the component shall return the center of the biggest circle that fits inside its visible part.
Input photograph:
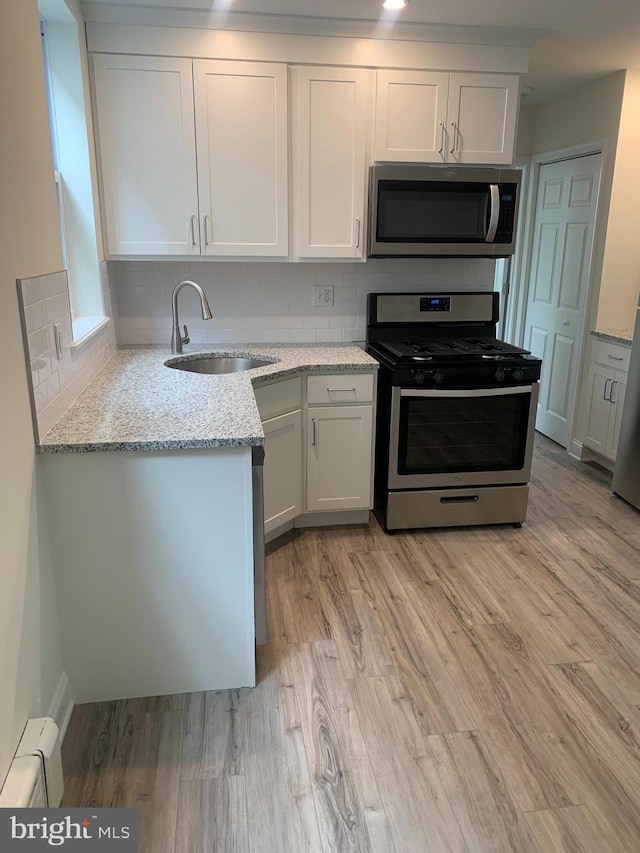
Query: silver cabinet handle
(613, 385)
(604, 393)
(313, 432)
(615, 357)
(345, 390)
(206, 229)
(455, 137)
(193, 230)
(357, 233)
(441, 149)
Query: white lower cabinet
(332, 466)
(282, 469)
(339, 441)
(606, 389)
(339, 444)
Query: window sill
(86, 328)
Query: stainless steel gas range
(456, 412)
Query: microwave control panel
(508, 199)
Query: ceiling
(574, 41)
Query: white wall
(30, 658)
(621, 265)
(526, 128)
(272, 302)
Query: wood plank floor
(456, 690)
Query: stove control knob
(438, 377)
(419, 378)
(500, 375)
(518, 374)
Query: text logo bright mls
(71, 829)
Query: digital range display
(436, 303)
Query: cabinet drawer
(340, 388)
(611, 355)
(278, 397)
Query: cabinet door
(282, 469)
(241, 131)
(482, 117)
(411, 115)
(599, 385)
(144, 114)
(339, 440)
(617, 394)
(331, 109)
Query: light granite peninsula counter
(137, 403)
(149, 488)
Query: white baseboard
(61, 705)
(320, 519)
(278, 531)
(579, 451)
(333, 519)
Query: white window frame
(64, 75)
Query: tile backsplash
(55, 383)
(273, 302)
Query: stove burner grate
(453, 348)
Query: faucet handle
(186, 339)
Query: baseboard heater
(35, 776)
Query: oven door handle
(466, 392)
(494, 217)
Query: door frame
(545, 158)
(510, 322)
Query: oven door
(461, 437)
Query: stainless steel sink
(218, 363)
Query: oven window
(462, 434)
(431, 212)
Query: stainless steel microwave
(425, 211)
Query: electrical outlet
(322, 295)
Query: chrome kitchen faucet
(177, 339)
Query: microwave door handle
(494, 201)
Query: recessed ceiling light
(394, 5)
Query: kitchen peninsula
(148, 481)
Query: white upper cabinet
(411, 115)
(148, 154)
(241, 132)
(150, 127)
(482, 117)
(427, 117)
(330, 124)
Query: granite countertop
(616, 336)
(136, 403)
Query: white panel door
(282, 469)
(482, 117)
(411, 115)
(339, 440)
(144, 112)
(558, 284)
(331, 107)
(241, 131)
